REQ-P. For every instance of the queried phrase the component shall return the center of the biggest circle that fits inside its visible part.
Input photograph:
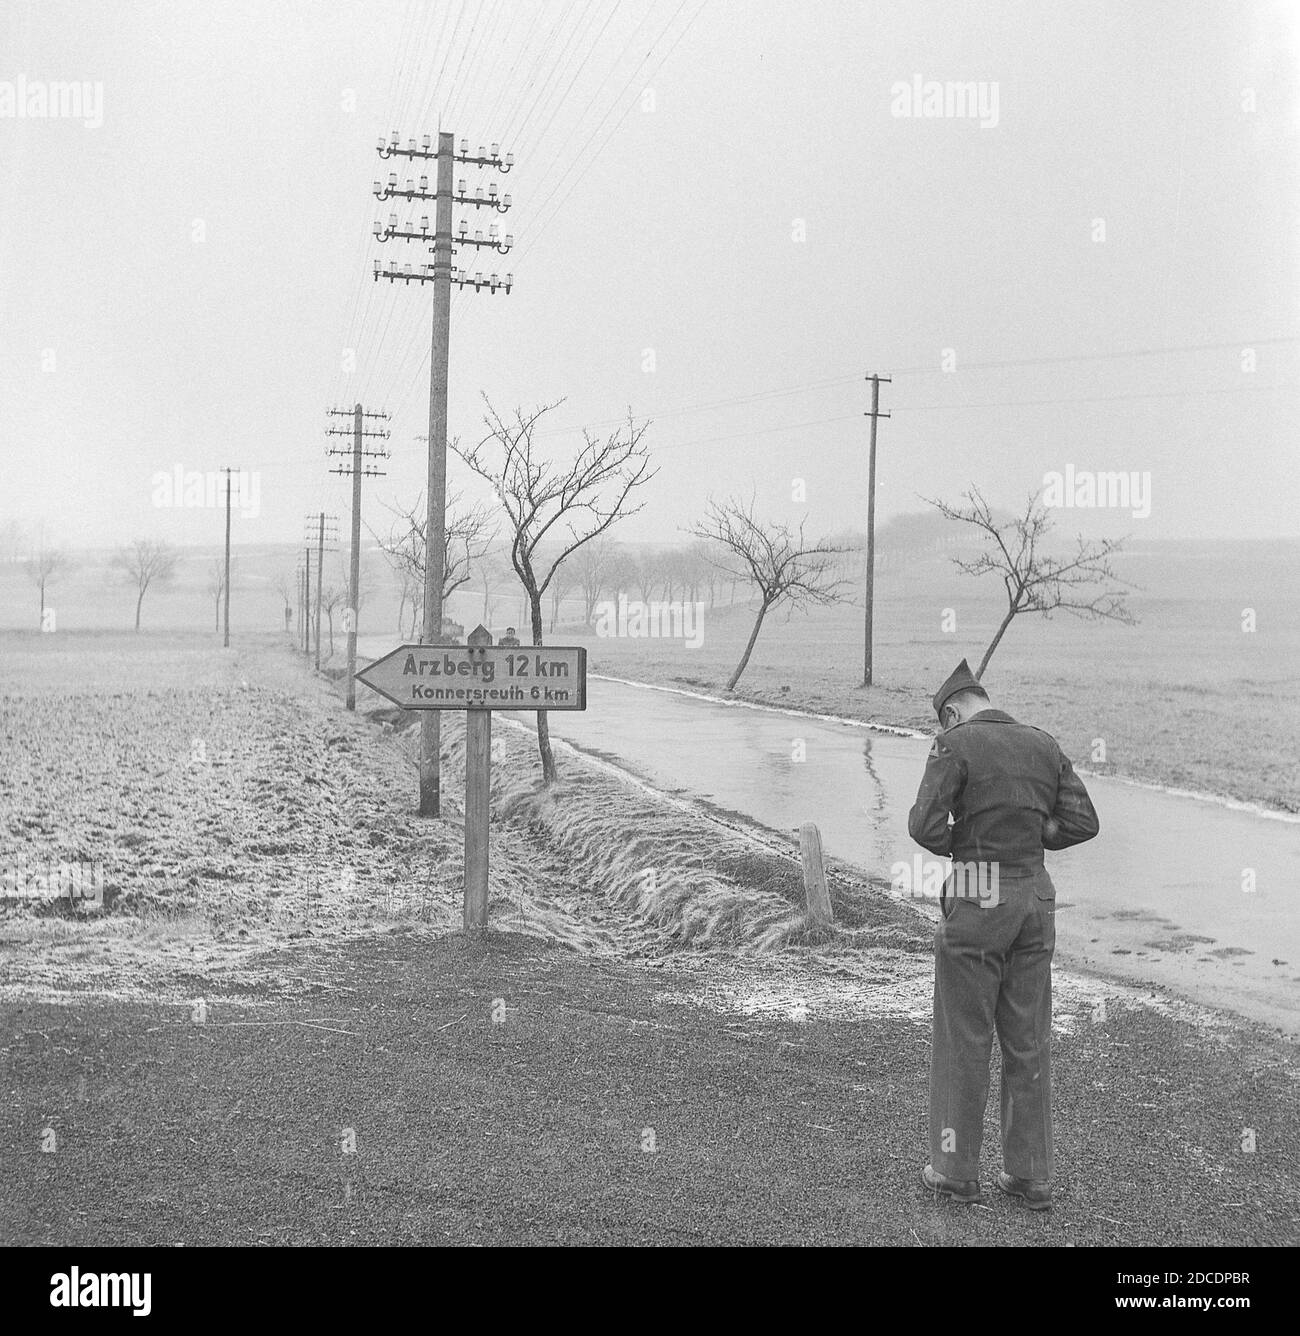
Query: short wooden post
(816, 895)
(478, 801)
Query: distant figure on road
(509, 638)
(1011, 793)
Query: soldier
(1012, 793)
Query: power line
(1096, 399)
(436, 87)
(852, 377)
(498, 49)
(1097, 357)
(534, 143)
(578, 60)
(517, 120)
(535, 233)
(1005, 403)
(495, 116)
(360, 285)
(451, 105)
(554, 74)
(531, 142)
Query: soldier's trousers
(993, 969)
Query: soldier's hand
(1051, 831)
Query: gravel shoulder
(503, 1091)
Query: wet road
(1158, 897)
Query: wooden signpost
(480, 677)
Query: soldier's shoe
(959, 1189)
(1037, 1196)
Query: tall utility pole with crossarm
(442, 274)
(306, 597)
(321, 529)
(358, 467)
(871, 525)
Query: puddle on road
(1181, 941)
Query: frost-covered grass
(647, 865)
(235, 808)
(230, 803)
(689, 881)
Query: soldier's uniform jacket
(1000, 780)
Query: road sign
(478, 678)
(481, 677)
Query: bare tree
(216, 587)
(342, 588)
(468, 539)
(561, 586)
(781, 565)
(493, 571)
(620, 571)
(646, 574)
(284, 586)
(696, 571)
(849, 566)
(410, 590)
(1034, 580)
(706, 573)
(568, 503)
(145, 562)
(592, 568)
(669, 563)
(44, 565)
(681, 572)
(910, 540)
(332, 597)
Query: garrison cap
(960, 679)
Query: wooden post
(226, 590)
(867, 646)
(306, 625)
(435, 528)
(320, 581)
(816, 895)
(478, 801)
(354, 567)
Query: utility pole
(316, 530)
(306, 601)
(226, 591)
(357, 469)
(442, 274)
(871, 523)
(302, 600)
(320, 582)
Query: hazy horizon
(727, 216)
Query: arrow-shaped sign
(481, 677)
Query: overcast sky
(744, 197)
